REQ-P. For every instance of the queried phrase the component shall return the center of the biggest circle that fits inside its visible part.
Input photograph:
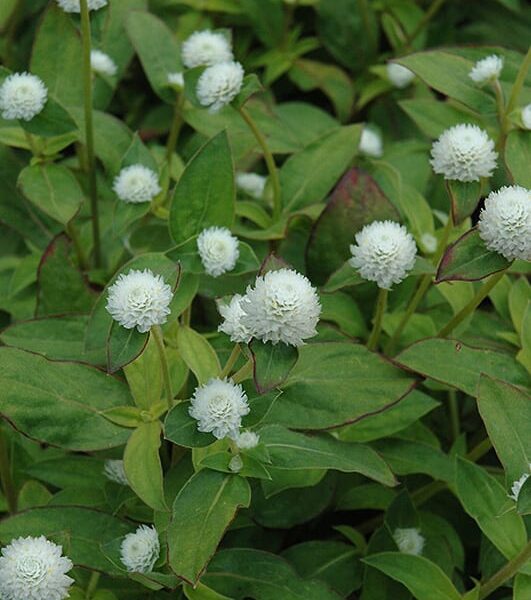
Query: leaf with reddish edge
(465, 198)
(468, 259)
(272, 262)
(356, 201)
(272, 363)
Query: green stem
(92, 584)
(378, 318)
(244, 373)
(519, 82)
(428, 16)
(174, 131)
(74, 236)
(502, 117)
(31, 143)
(89, 131)
(230, 362)
(454, 414)
(481, 294)
(479, 450)
(270, 162)
(505, 573)
(6, 478)
(159, 340)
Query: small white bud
(22, 96)
(232, 325)
(487, 69)
(73, 6)
(371, 143)
(114, 471)
(399, 75)
(251, 184)
(102, 63)
(205, 48)
(409, 540)
(140, 550)
(219, 85)
(135, 184)
(218, 250)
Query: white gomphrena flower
(114, 471)
(429, 242)
(33, 568)
(409, 540)
(205, 48)
(218, 250)
(247, 440)
(505, 222)
(176, 79)
(384, 252)
(136, 184)
(526, 116)
(399, 75)
(283, 306)
(464, 153)
(140, 550)
(371, 143)
(232, 325)
(487, 69)
(218, 407)
(102, 63)
(251, 184)
(73, 6)
(219, 85)
(517, 485)
(139, 299)
(22, 96)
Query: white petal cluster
(251, 184)
(505, 222)
(218, 250)
(33, 568)
(428, 242)
(114, 471)
(205, 48)
(219, 85)
(73, 6)
(22, 96)
(218, 407)
(176, 79)
(102, 63)
(526, 116)
(247, 440)
(464, 153)
(517, 486)
(371, 143)
(409, 540)
(139, 299)
(136, 184)
(399, 75)
(384, 252)
(487, 69)
(140, 550)
(232, 325)
(283, 306)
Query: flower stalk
(378, 318)
(505, 573)
(159, 341)
(230, 362)
(6, 478)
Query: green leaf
(343, 310)
(198, 354)
(205, 193)
(251, 85)
(523, 504)
(52, 121)
(144, 376)
(424, 579)
(202, 511)
(125, 416)
(521, 587)
(465, 197)
(524, 356)
(142, 465)
(272, 364)
(181, 429)
(123, 345)
(345, 276)
(267, 19)
(518, 157)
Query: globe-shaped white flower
(487, 69)
(371, 143)
(505, 222)
(399, 75)
(409, 540)
(102, 63)
(218, 250)
(464, 153)
(73, 6)
(232, 325)
(176, 79)
(219, 85)
(384, 252)
(526, 116)
(205, 48)
(136, 184)
(218, 407)
(22, 96)
(114, 471)
(139, 299)
(140, 550)
(428, 242)
(246, 440)
(283, 306)
(517, 485)
(251, 184)
(33, 568)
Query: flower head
(398, 75)
(73, 6)
(283, 306)
(114, 470)
(428, 242)
(176, 79)
(22, 96)
(102, 63)
(251, 184)
(487, 69)
(219, 85)
(218, 407)
(140, 550)
(247, 440)
(139, 299)
(232, 320)
(505, 222)
(384, 252)
(205, 48)
(371, 143)
(517, 486)
(409, 540)
(33, 568)
(135, 184)
(218, 250)
(464, 153)
(526, 116)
